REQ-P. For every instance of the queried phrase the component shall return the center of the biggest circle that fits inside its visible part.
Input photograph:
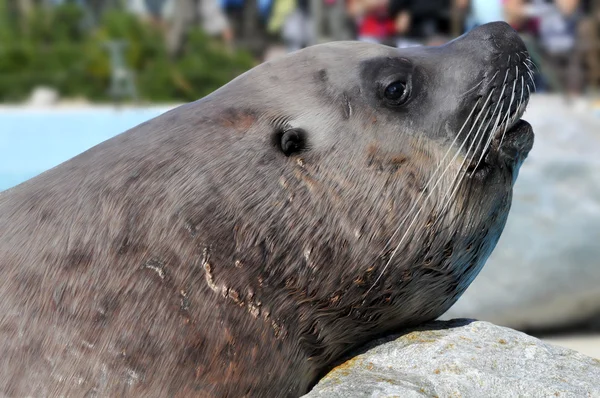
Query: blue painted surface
(32, 142)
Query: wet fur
(189, 256)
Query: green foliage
(52, 47)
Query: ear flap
(293, 141)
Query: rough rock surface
(545, 271)
(463, 358)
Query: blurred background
(74, 73)
(180, 50)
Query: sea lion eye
(396, 93)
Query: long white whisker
(512, 97)
(494, 76)
(454, 185)
(532, 81)
(428, 196)
(490, 118)
(522, 89)
(505, 123)
(491, 137)
(531, 63)
(479, 130)
(433, 176)
(471, 89)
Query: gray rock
(545, 271)
(465, 359)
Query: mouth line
(497, 137)
(507, 126)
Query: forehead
(337, 57)
(330, 73)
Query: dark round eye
(396, 93)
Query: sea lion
(239, 245)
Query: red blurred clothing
(377, 25)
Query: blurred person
(300, 25)
(374, 23)
(516, 15)
(559, 27)
(236, 10)
(336, 19)
(292, 19)
(428, 22)
(484, 11)
(186, 13)
(589, 36)
(519, 15)
(249, 21)
(555, 26)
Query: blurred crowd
(562, 35)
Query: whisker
(532, 80)
(532, 64)
(522, 89)
(489, 141)
(526, 54)
(471, 89)
(456, 187)
(471, 157)
(496, 124)
(505, 123)
(504, 82)
(512, 97)
(428, 196)
(495, 119)
(494, 75)
(433, 177)
(457, 181)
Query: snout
(503, 62)
(495, 37)
(495, 55)
(494, 59)
(487, 43)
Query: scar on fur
(208, 270)
(253, 306)
(157, 266)
(185, 302)
(283, 182)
